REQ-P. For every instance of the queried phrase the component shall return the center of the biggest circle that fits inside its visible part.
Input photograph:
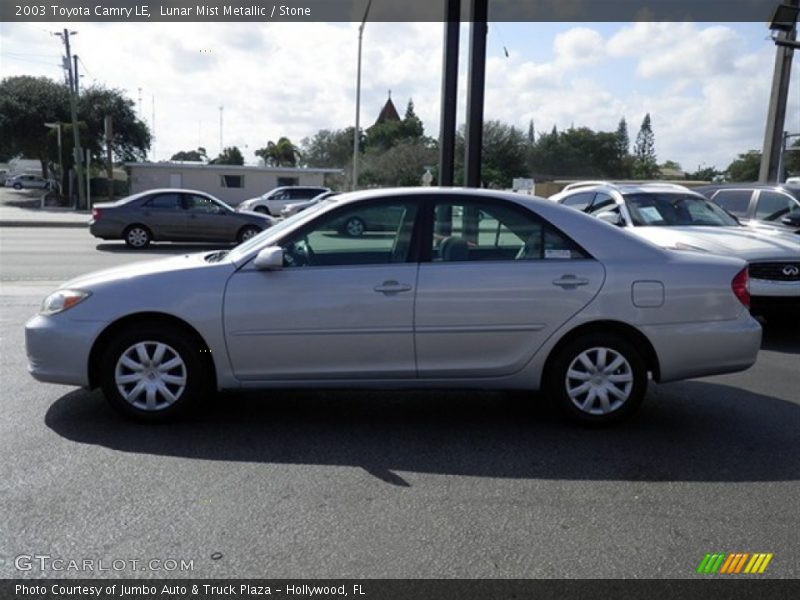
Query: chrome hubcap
(150, 375)
(599, 381)
(247, 234)
(137, 237)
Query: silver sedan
(456, 288)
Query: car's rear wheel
(246, 232)
(138, 236)
(598, 379)
(153, 373)
(354, 227)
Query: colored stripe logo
(734, 563)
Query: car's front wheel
(138, 236)
(246, 232)
(598, 378)
(261, 209)
(17, 186)
(153, 373)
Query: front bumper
(58, 348)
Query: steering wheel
(298, 253)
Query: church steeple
(388, 112)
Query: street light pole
(57, 127)
(356, 135)
(784, 23)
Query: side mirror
(793, 220)
(269, 259)
(610, 216)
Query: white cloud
(706, 94)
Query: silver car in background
(674, 217)
(174, 215)
(457, 288)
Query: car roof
(786, 187)
(644, 187)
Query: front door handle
(570, 282)
(392, 287)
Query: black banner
(394, 589)
(383, 10)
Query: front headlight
(62, 300)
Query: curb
(65, 224)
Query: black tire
(354, 227)
(194, 370)
(137, 236)
(246, 232)
(262, 209)
(623, 395)
(17, 186)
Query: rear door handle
(570, 282)
(392, 287)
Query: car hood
(159, 266)
(741, 242)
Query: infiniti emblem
(791, 271)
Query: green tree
(131, 138)
(229, 156)
(411, 127)
(645, 165)
(330, 149)
(704, 173)
(282, 153)
(401, 165)
(26, 104)
(745, 167)
(198, 155)
(503, 152)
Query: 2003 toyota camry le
(456, 289)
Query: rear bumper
(687, 350)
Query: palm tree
(282, 153)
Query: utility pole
(76, 89)
(109, 127)
(220, 129)
(447, 127)
(356, 132)
(475, 90)
(776, 117)
(153, 123)
(77, 152)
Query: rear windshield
(673, 210)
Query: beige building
(232, 184)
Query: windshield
(281, 226)
(675, 210)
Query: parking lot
(387, 484)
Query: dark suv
(758, 204)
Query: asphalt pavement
(386, 484)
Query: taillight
(740, 287)
(96, 214)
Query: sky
(705, 85)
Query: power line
(30, 60)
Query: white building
(230, 183)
